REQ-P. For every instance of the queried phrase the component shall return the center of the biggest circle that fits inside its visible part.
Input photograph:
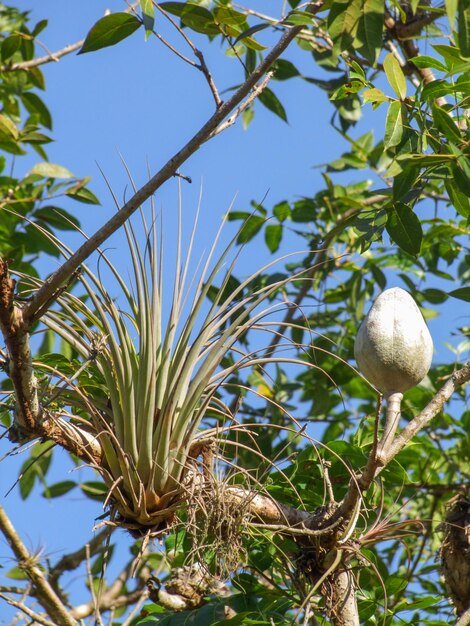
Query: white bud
(393, 347)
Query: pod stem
(392, 419)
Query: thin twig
(245, 104)
(39, 619)
(53, 56)
(114, 597)
(202, 66)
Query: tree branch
(43, 295)
(43, 591)
(53, 56)
(266, 508)
(464, 619)
(341, 598)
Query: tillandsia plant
(149, 372)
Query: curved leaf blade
(110, 30)
(404, 228)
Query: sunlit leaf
(110, 30)
(445, 123)
(50, 170)
(395, 75)
(369, 36)
(393, 125)
(273, 236)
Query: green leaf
(451, 10)
(273, 236)
(57, 218)
(436, 89)
(425, 160)
(458, 198)
(463, 293)
(83, 195)
(227, 15)
(193, 16)
(453, 58)
(427, 61)
(59, 489)
(461, 178)
(50, 170)
(34, 104)
(250, 228)
(40, 26)
(374, 95)
(369, 35)
(35, 468)
(393, 125)
(269, 99)
(435, 296)
(445, 124)
(403, 183)
(16, 573)
(94, 489)
(246, 34)
(343, 20)
(463, 27)
(404, 228)
(8, 128)
(247, 117)
(282, 211)
(27, 482)
(148, 18)
(395, 75)
(9, 46)
(110, 30)
(284, 70)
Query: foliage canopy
(255, 464)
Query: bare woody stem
(458, 378)
(49, 58)
(37, 619)
(344, 611)
(43, 591)
(44, 296)
(392, 419)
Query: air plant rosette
(149, 370)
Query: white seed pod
(393, 347)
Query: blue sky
(137, 99)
